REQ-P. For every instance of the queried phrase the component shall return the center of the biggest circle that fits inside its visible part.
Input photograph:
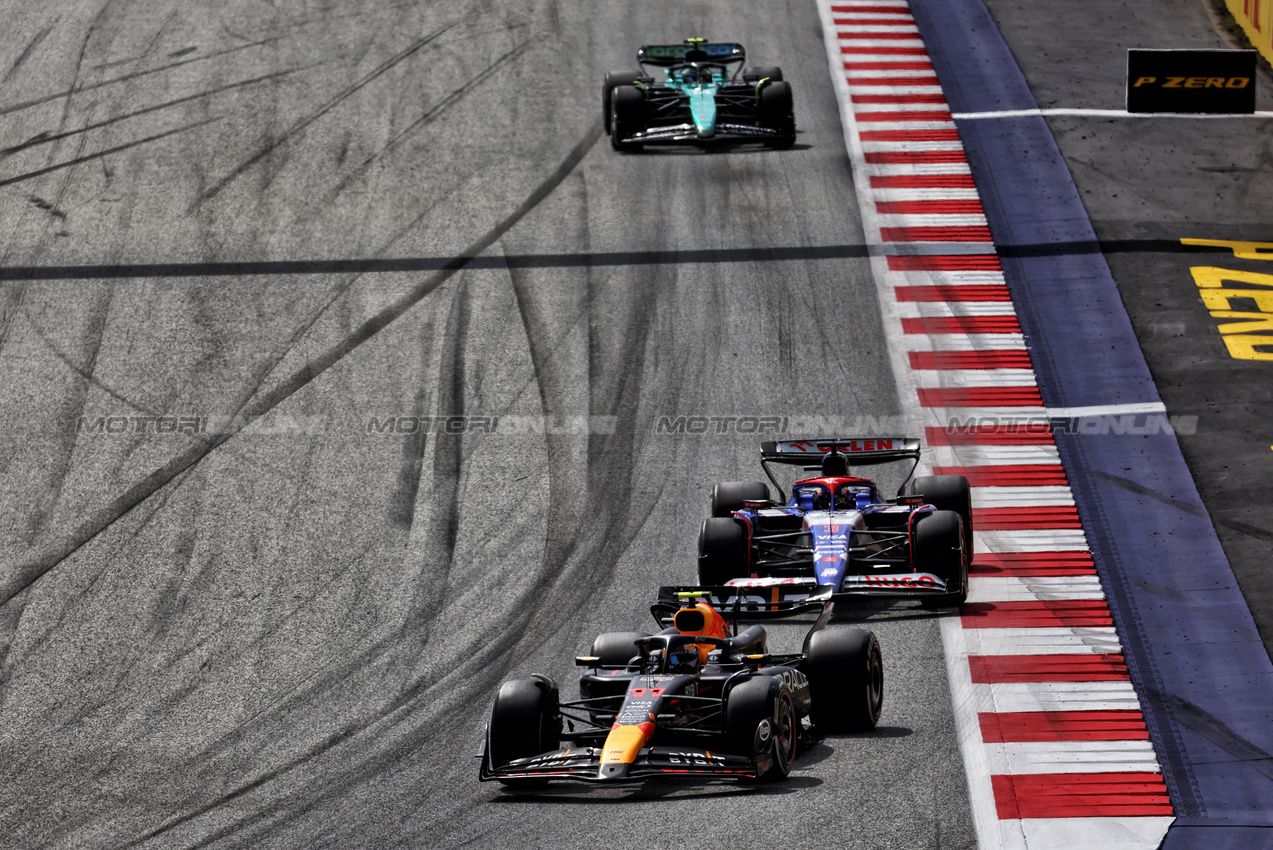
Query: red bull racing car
(697, 699)
(836, 531)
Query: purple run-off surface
(1205, 680)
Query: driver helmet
(683, 659)
(654, 661)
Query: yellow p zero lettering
(1254, 321)
(1212, 278)
(1242, 250)
(1215, 82)
(1237, 83)
(1143, 81)
(1195, 82)
(1247, 346)
(1173, 82)
(1218, 299)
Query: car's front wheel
(524, 722)
(761, 721)
(627, 116)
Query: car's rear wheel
(761, 721)
(774, 111)
(947, 493)
(612, 79)
(729, 496)
(846, 679)
(524, 723)
(627, 116)
(722, 551)
(773, 72)
(939, 548)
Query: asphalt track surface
(287, 633)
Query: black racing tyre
(947, 493)
(760, 718)
(612, 79)
(627, 116)
(616, 648)
(722, 551)
(773, 72)
(728, 496)
(774, 112)
(938, 548)
(846, 679)
(524, 722)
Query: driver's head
(683, 659)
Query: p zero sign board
(1206, 81)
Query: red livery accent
(981, 397)
(1043, 516)
(1035, 434)
(1022, 726)
(1000, 669)
(962, 325)
(1009, 475)
(1081, 795)
(1033, 564)
(993, 358)
(921, 181)
(1071, 613)
(960, 206)
(948, 262)
(943, 294)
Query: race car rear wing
(664, 55)
(860, 451)
(750, 599)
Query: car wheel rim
(785, 740)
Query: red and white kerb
(1051, 730)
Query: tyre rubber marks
(1054, 742)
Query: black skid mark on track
(27, 104)
(26, 51)
(30, 572)
(99, 154)
(430, 115)
(300, 126)
(46, 137)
